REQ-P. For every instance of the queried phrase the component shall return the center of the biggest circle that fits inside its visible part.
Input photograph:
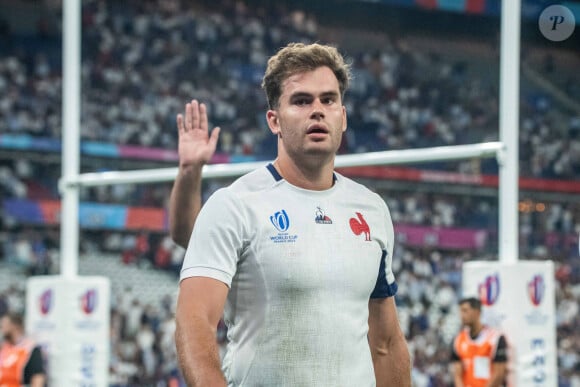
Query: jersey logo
(321, 218)
(280, 220)
(359, 226)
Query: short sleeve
(35, 365)
(384, 288)
(217, 239)
(386, 285)
(454, 355)
(501, 350)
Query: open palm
(196, 145)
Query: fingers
(195, 113)
(191, 116)
(180, 126)
(187, 117)
(195, 118)
(213, 138)
(203, 119)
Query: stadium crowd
(143, 60)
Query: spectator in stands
(21, 361)
(479, 352)
(3, 305)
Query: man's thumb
(213, 138)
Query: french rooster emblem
(359, 225)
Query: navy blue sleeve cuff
(386, 290)
(383, 288)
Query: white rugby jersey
(301, 266)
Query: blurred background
(426, 73)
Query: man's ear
(344, 119)
(273, 122)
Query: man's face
(469, 315)
(310, 117)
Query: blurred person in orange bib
(479, 353)
(21, 361)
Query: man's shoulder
(491, 332)
(353, 186)
(462, 334)
(357, 190)
(256, 180)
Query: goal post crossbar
(392, 157)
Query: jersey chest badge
(281, 221)
(360, 226)
(321, 217)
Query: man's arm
(184, 204)
(389, 350)
(499, 363)
(200, 305)
(456, 367)
(458, 374)
(195, 149)
(34, 370)
(38, 380)
(498, 371)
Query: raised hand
(196, 146)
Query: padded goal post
(519, 300)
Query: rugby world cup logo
(280, 220)
(89, 301)
(489, 290)
(536, 289)
(45, 302)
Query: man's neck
(475, 330)
(315, 177)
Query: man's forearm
(37, 380)
(458, 374)
(198, 353)
(185, 203)
(393, 364)
(495, 380)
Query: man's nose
(317, 110)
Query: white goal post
(506, 150)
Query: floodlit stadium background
(426, 74)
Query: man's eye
(301, 102)
(328, 101)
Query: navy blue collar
(274, 172)
(279, 177)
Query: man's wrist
(189, 169)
